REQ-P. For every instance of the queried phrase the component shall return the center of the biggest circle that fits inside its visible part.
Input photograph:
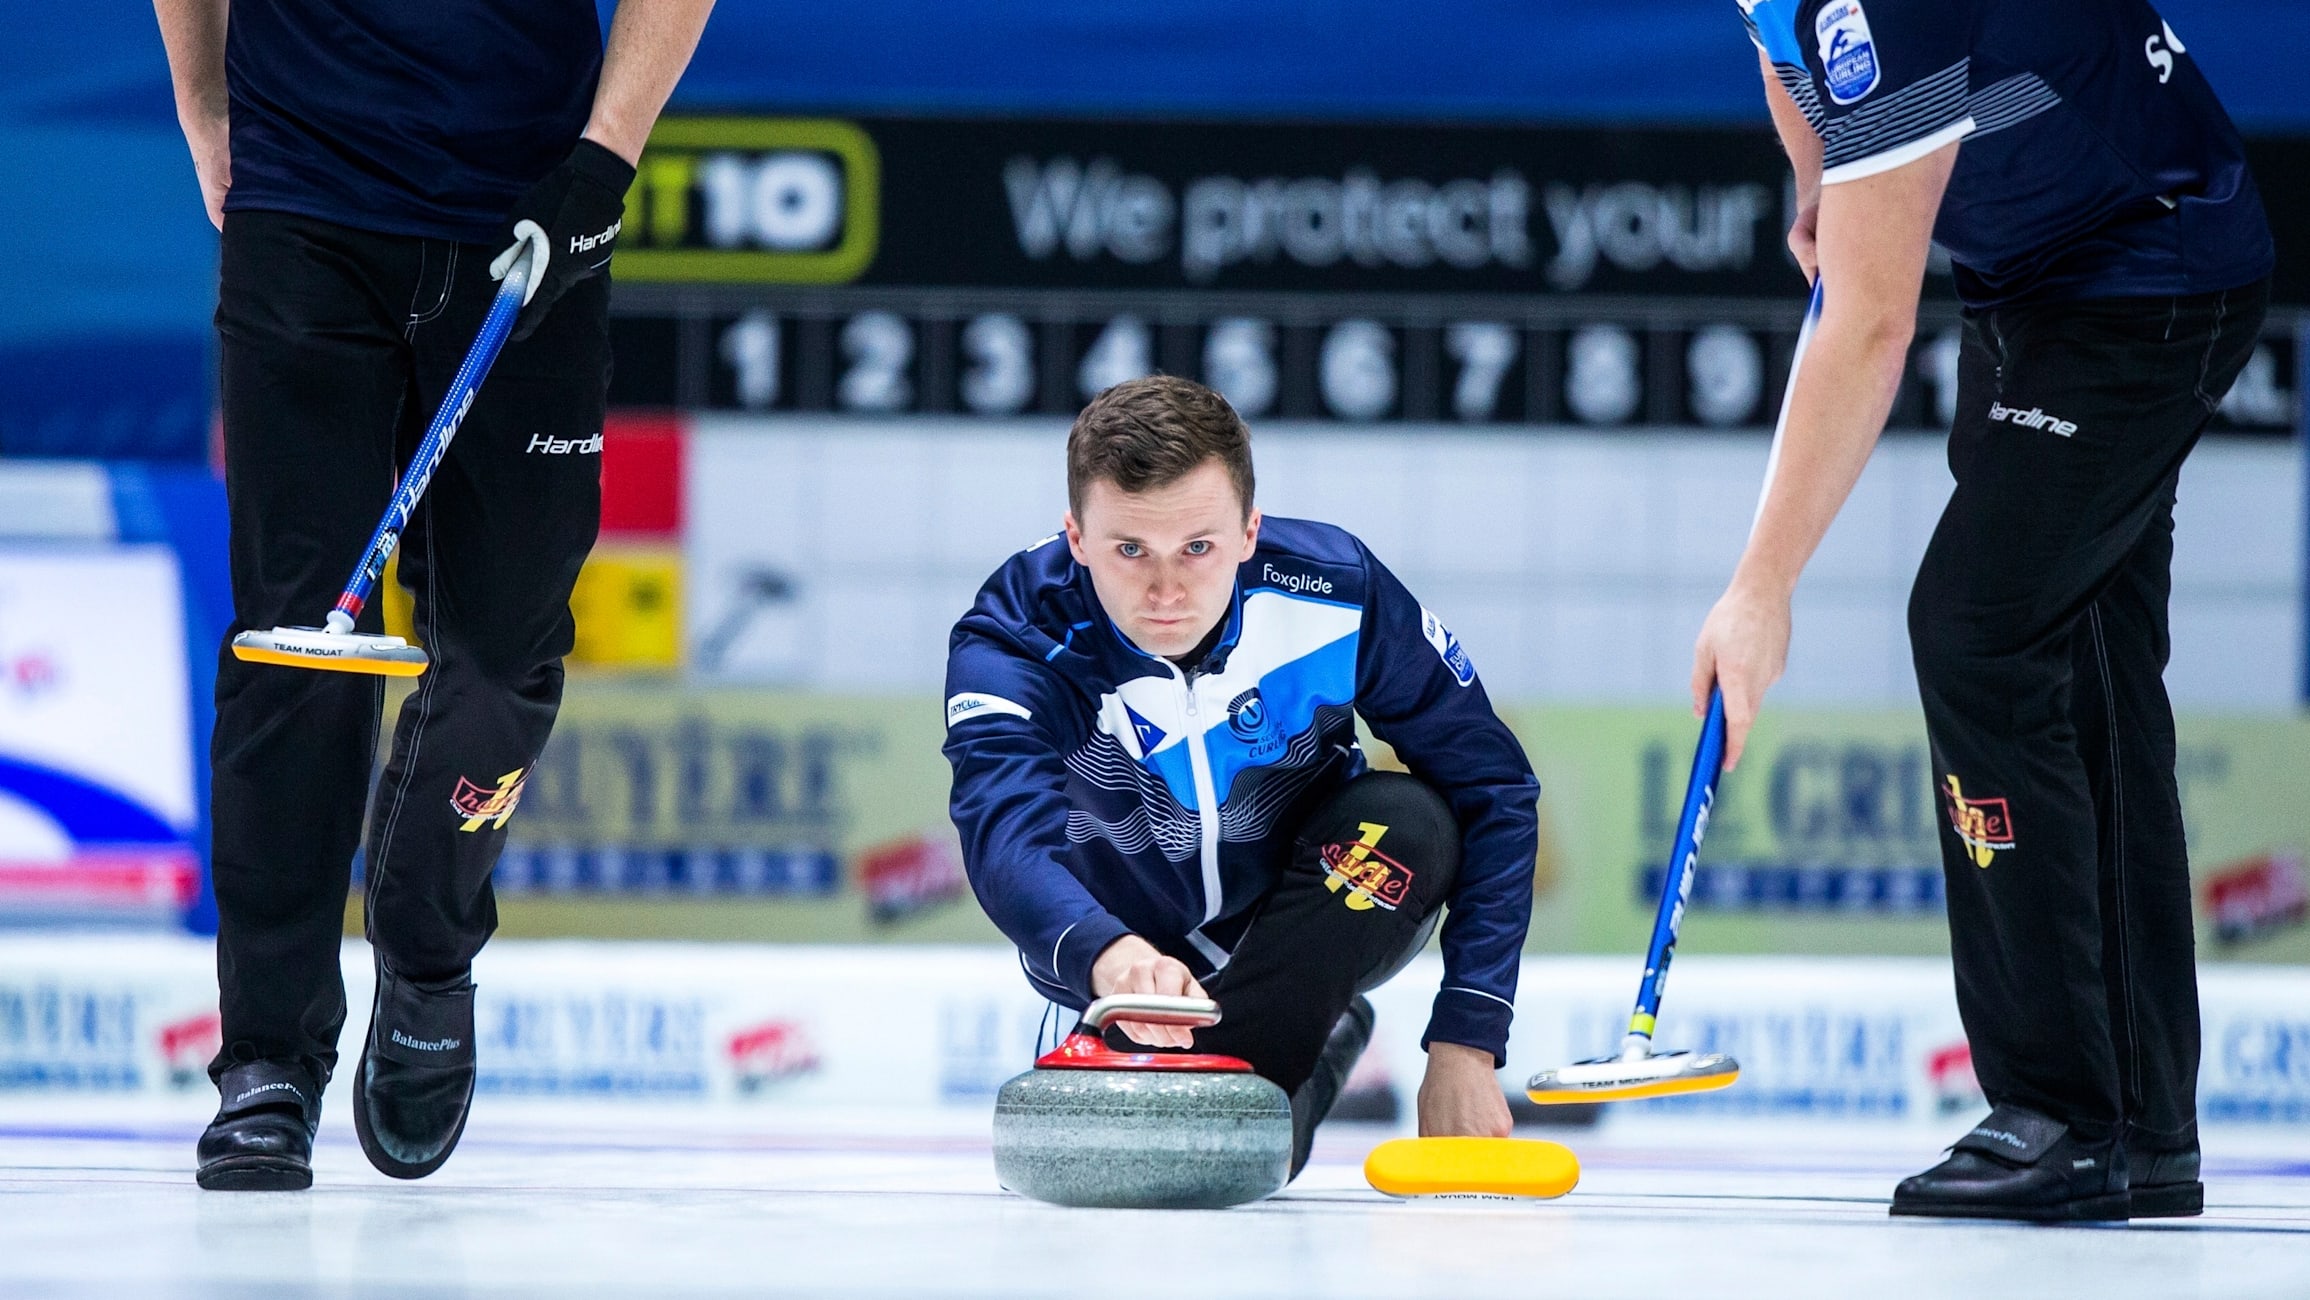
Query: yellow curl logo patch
(1984, 826)
(492, 804)
(1372, 878)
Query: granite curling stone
(1089, 1126)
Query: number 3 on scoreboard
(1000, 379)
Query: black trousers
(2039, 627)
(336, 346)
(1369, 872)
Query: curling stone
(1090, 1126)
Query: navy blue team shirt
(406, 117)
(1103, 791)
(2096, 162)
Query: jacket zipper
(1207, 811)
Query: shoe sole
(384, 1163)
(2170, 1201)
(2110, 1206)
(255, 1174)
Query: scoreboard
(1485, 276)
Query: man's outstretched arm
(1874, 234)
(1010, 807)
(1418, 691)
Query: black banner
(1597, 276)
(1135, 205)
(1322, 208)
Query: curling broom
(1637, 1071)
(335, 646)
(1471, 1166)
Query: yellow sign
(739, 200)
(628, 607)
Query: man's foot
(1314, 1099)
(262, 1137)
(414, 1087)
(2018, 1164)
(2164, 1184)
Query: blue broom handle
(1707, 766)
(1676, 887)
(455, 403)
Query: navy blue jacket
(405, 117)
(1102, 791)
(2097, 161)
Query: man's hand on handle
(1132, 965)
(576, 212)
(1742, 649)
(1460, 1096)
(572, 217)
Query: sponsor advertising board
(661, 810)
(753, 1026)
(1826, 839)
(1352, 272)
(97, 809)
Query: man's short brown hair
(1148, 433)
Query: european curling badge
(1848, 56)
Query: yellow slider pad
(301, 647)
(1472, 1166)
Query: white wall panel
(1576, 566)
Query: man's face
(1163, 561)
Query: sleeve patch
(1448, 648)
(1848, 56)
(971, 704)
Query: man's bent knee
(1387, 842)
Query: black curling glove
(571, 218)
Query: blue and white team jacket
(1103, 791)
(2097, 162)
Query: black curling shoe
(2018, 1164)
(1349, 1036)
(2164, 1184)
(415, 1085)
(262, 1137)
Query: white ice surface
(97, 1198)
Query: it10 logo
(752, 200)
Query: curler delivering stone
(1089, 1126)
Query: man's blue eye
(1130, 550)
(1198, 548)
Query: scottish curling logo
(1254, 724)
(1848, 56)
(1247, 715)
